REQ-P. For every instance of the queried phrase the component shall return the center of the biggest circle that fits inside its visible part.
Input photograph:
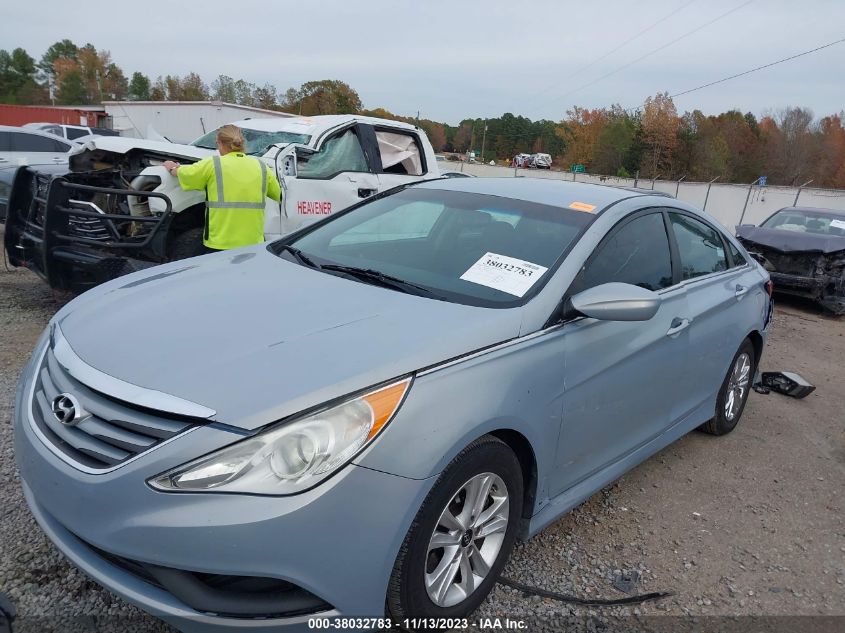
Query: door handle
(677, 326)
(365, 193)
(740, 291)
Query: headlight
(292, 457)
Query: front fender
(179, 198)
(517, 387)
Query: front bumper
(337, 541)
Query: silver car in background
(361, 419)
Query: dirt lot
(748, 524)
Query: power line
(753, 70)
(609, 53)
(656, 50)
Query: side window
(33, 143)
(637, 254)
(338, 154)
(699, 246)
(400, 153)
(76, 132)
(736, 255)
(52, 129)
(5, 141)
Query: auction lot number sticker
(504, 273)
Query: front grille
(91, 228)
(113, 433)
(801, 265)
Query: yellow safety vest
(236, 186)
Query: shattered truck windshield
(257, 141)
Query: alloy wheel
(738, 386)
(467, 539)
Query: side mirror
(617, 302)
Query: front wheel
(730, 402)
(461, 537)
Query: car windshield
(462, 247)
(806, 221)
(257, 141)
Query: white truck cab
(323, 163)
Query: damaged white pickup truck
(117, 209)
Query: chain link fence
(728, 203)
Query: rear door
(338, 174)
(620, 377)
(725, 299)
(398, 155)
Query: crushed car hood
(791, 241)
(258, 338)
(122, 145)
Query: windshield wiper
(382, 279)
(300, 256)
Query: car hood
(258, 338)
(790, 241)
(123, 145)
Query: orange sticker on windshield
(582, 206)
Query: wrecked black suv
(803, 248)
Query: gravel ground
(751, 524)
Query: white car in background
(72, 132)
(20, 146)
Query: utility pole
(483, 140)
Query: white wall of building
(179, 121)
(725, 201)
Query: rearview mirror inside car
(617, 302)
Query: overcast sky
(451, 59)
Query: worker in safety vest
(236, 185)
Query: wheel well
(757, 341)
(190, 218)
(525, 454)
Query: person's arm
(195, 176)
(274, 191)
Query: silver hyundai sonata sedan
(359, 420)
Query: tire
(486, 464)
(733, 394)
(186, 244)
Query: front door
(327, 180)
(619, 377)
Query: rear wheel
(730, 402)
(461, 537)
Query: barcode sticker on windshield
(839, 224)
(504, 273)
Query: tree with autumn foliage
(328, 96)
(660, 124)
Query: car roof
(559, 193)
(313, 124)
(35, 132)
